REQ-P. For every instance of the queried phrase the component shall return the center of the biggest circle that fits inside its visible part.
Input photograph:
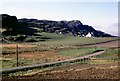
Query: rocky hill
(23, 26)
(74, 27)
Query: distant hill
(74, 27)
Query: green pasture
(71, 40)
(10, 61)
(78, 52)
(61, 44)
(111, 54)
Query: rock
(74, 27)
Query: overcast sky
(101, 15)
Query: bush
(10, 38)
(20, 38)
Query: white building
(88, 35)
(60, 32)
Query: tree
(9, 22)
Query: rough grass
(38, 70)
(75, 52)
(111, 54)
(100, 61)
(54, 42)
(71, 40)
(96, 60)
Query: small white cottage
(88, 35)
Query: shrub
(20, 38)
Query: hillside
(74, 27)
(20, 29)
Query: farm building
(88, 35)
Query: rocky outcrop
(74, 27)
(23, 26)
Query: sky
(99, 14)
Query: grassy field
(36, 57)
(78, 52)
(111, 54)
(55, 47)
(72, 40)
(101, 59)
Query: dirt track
(107, 44)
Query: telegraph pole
(17, 54)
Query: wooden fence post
(17, 54)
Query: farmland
(57, 47)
